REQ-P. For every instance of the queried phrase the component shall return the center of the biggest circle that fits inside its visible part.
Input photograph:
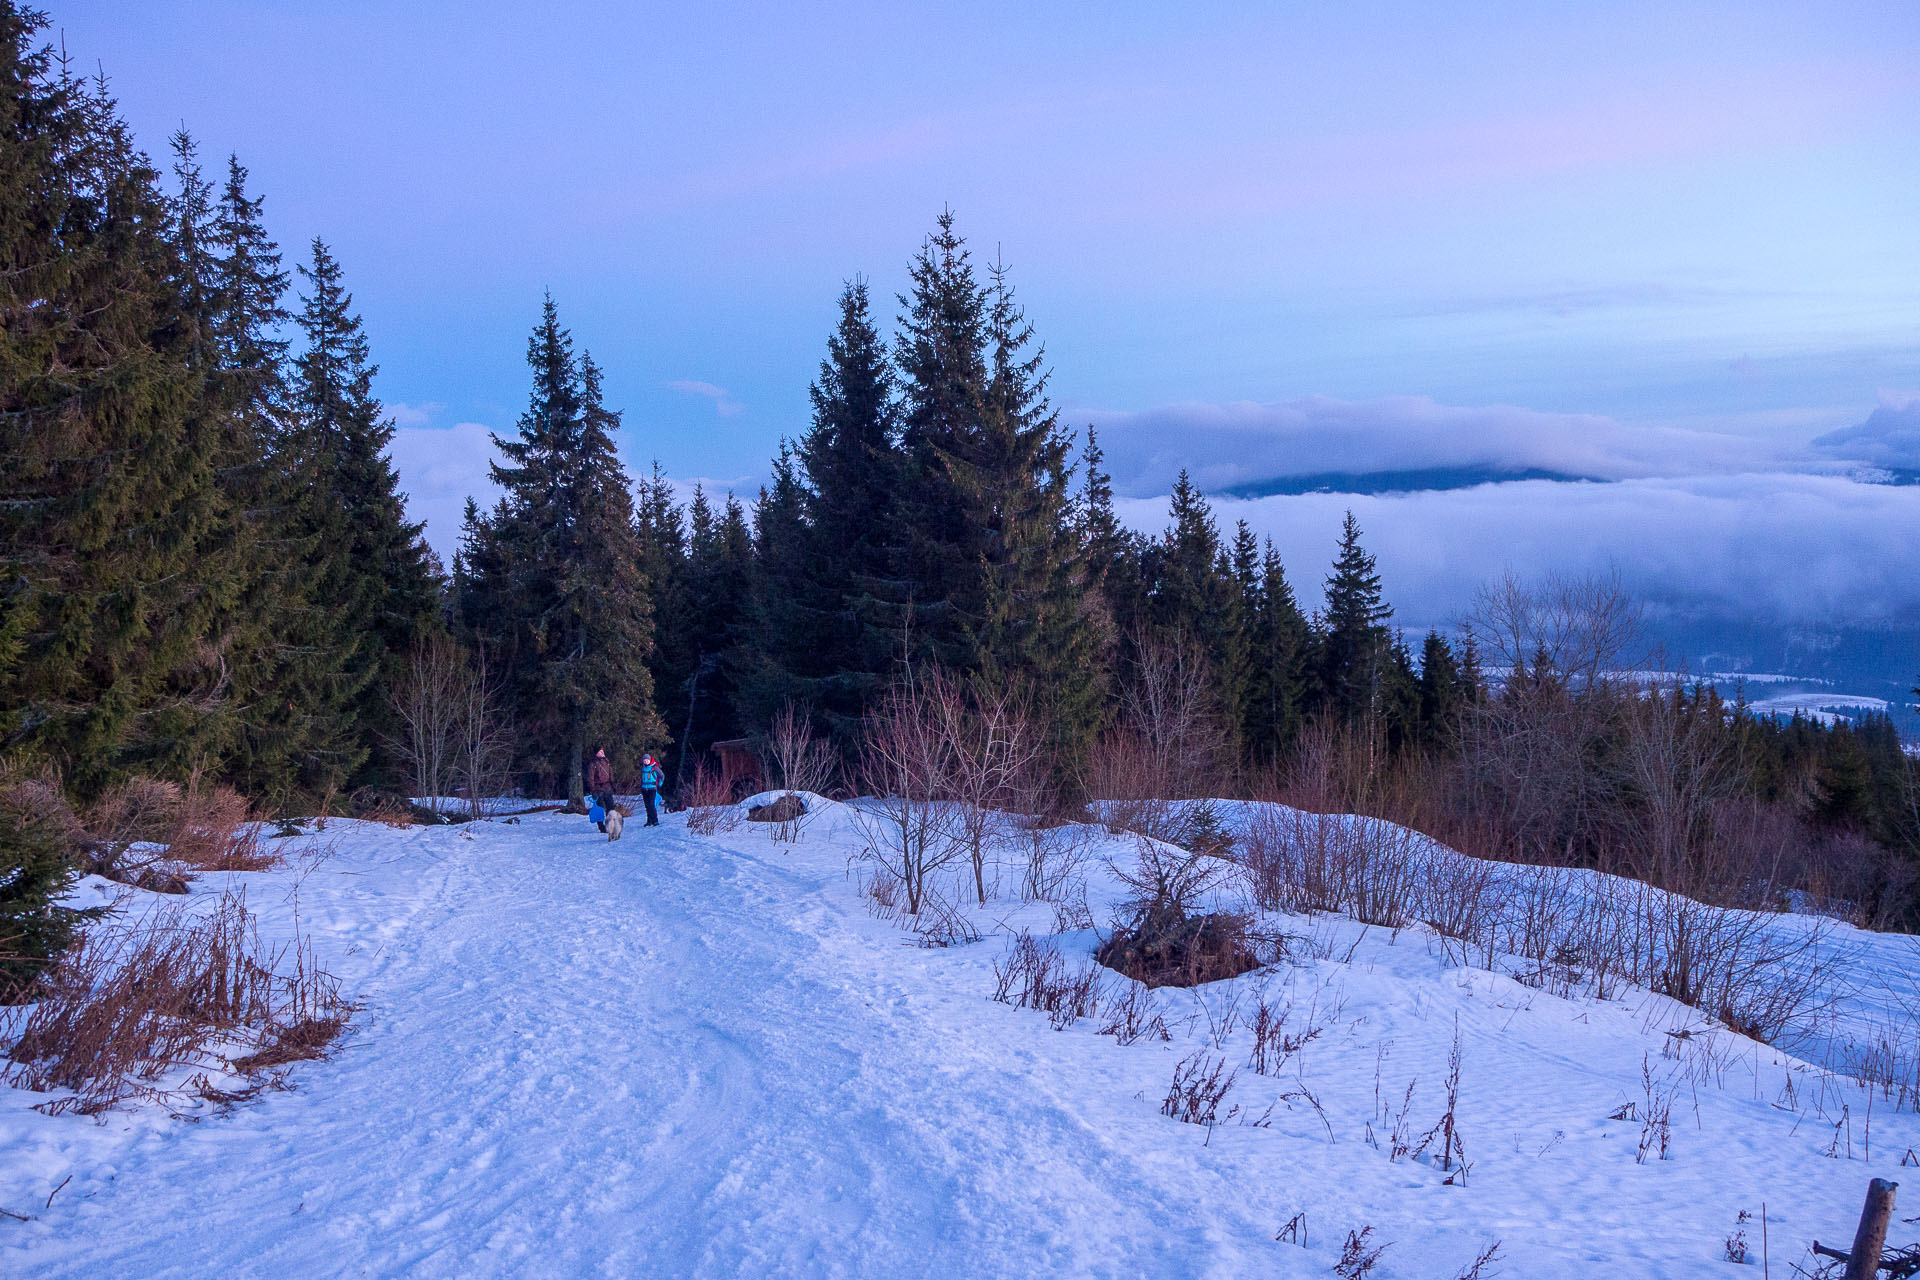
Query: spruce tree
(1355, 642)
(789, 618)
(1196, 595)
(845, 593)
(371, 591)
(1398, 701)
(1282, 649)
(1032, 626)
(557, 577)
(941, 355)
(713, 637)
(1440, 692)
(108, 502)
(290, 621)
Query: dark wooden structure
(739, 766)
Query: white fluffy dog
(615, 820)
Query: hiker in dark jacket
(651, 780)
(600, 782)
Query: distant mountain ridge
(1410, 481)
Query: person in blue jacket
(651, 780)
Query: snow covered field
(682, 1055)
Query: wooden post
(1863, 1261)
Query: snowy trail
(680, 1056)
(650, 1058)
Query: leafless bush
(941, 923)
(997, 753)
(483, 748)
(1476, 1269)
(1358, 1256)
(1165, 943)
(427, 706)
(1133, 1015)
(804, 761)
(882, 892)
(1200, 1084)
(130, 1003)
(1171, 741)
(907, 762)
(1054, 857)
(216, 831)
(1303, 861)
(1036, 976)
(1656, 1111)
(1273, 1044)
(139, 809)
(709, 798)
(1450, 1153)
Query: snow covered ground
(682, 1055)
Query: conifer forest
(208, 577)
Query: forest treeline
(207, 575)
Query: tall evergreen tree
(1196, 595)
(941, 355)
(107, 498)
(1441, 696)
(845, 595)
(790, 618)
(1033, 623)
(1355, 643)
(1282, 653)
(714, 633)
(557, 574)
(371, 589)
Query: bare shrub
(803, 761)
(1036, 976)
(1358, 1256)
(1200, 1084)
(998, 751)
(1171, 741)
(139, 809)
(1304, 861)
(882, 892)
(1476, 1269)
(130, 1003)
(1449, 1153)
(907, 764)
(217, 831)
(1165, 943)
(941, 923)
(709, 796)
(1273, 1044)
(1054, 857)
(1134, 1015)
(1656, 1112)
(427, 706)
(483, 747)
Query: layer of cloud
(413, 415)
(440, 467)
(1805, 550)
(1890, 437)
(1228, 446)
(723, 402)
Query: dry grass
(709, 799)
(217, 831)
(132, 1004)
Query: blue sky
(1692, 225)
